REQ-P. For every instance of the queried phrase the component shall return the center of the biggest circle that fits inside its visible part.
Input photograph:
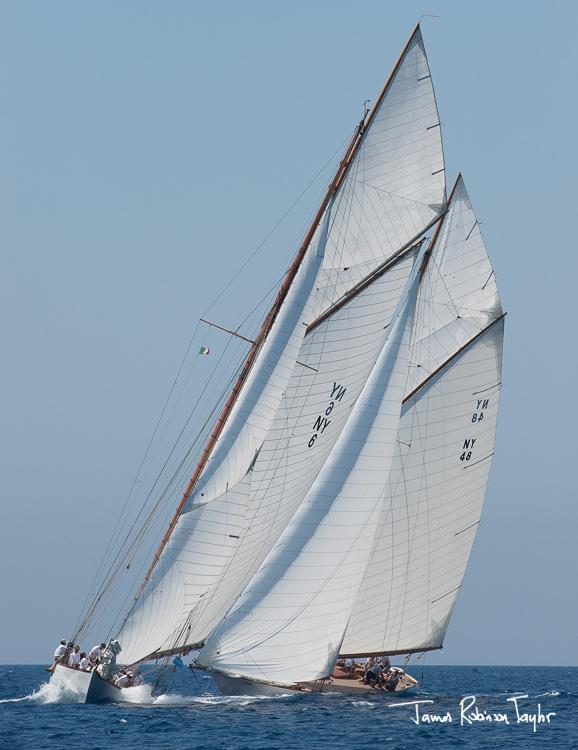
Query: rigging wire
(279, 222)
(123, 516)
(114, 538)
(122, 555)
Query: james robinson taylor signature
(470, 713)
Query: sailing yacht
(333, 509)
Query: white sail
(337, 357)
(289, 623)
(458, 300)
(394, 190)
(395, 186)
(161, 619)
(433, 505)
(156, 620)
(257, 404)
(217, 547)
(459, 296)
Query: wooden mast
(334, 186)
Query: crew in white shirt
(84, 664)
(74, 658)
(59, 655)
(96, 652)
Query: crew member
(95, 653)
(373, 675)
(84, 664)
(392, 679)
(74, 658)
(59, 654)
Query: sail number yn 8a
(323, 420)
(477, 417)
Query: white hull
(88, 686)
(229, 685)
(241, 686)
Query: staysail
(289, 623)
(388, 190)
(444, 449)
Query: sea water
(468, 707)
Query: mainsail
(389, 190)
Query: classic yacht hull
(90, 687)
(241, 686)
(229, 685)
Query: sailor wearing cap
(59, 654)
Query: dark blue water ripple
(193, 716)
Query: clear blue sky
(148, 147)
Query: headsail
(445, 445)
(289, 623)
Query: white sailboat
(334, 507)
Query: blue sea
(190, 713)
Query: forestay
(289, 623)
